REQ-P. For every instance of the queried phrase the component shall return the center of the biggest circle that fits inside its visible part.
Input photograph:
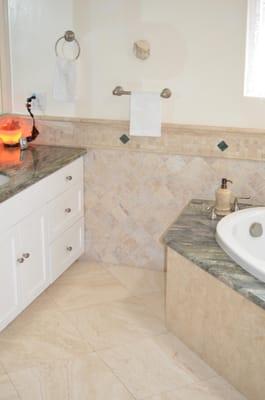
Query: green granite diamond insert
(124, 139)
(222, 145)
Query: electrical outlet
(40, 103)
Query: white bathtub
(234, 234)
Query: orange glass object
(10, 133)
(10, 138)
(9, 156)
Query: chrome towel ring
(69, 36)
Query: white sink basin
(3, 179)
(242, 236)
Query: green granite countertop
(29, 166)
(193, 236)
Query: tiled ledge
(246, 144)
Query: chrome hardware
(68, 210)
(26, 255)
(69, 178)
(256, 230)
(236, 203)
(20, 260)
(213, 215)
(118, 91)
(69, 36)
(23, 143)
(69, 248)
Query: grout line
(116, 376)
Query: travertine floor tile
(96, 287)
(155, 302)
(81, 269)
(213, 389)
(119, 312)
(7, 390)
(184, 357)
(38, 336)
(145, 368)
(78, 379)
(117, 323)
(138, 280)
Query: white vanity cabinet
(31, 256)
(9, 284)
(41, 235)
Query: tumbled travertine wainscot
(134, 193)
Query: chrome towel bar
(118, 91)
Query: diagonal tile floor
(99, 333)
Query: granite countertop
(30, 166)
(193, 236)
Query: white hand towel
(64, 89)
(145, 114)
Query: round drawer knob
(69, 248)
(68, 210)
(26, 255)
(20, 260)
(69, 178)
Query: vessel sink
(3, 179)
(242, 236)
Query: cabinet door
(33, 268)
(9, 289)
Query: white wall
(198, 51)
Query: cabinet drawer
(66, 249)
(66, 177)
(65, 210)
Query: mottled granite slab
(193, 236)
(28, 167)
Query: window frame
(5, 71)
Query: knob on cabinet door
(69, 248)
(20, 260)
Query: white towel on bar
(64, 88)
(145, 114)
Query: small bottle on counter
(223, 199)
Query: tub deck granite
(192, 235)
(30, 166)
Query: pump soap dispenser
(223, 199)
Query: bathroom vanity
(212, 304)
(42, 222)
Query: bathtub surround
(224, 328)
(192, 235)
(135, 190)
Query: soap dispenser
(223, 199)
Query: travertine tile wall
(135, 191)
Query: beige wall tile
(223, 327)
(133, 192)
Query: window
(255, 54)
(5, 78)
